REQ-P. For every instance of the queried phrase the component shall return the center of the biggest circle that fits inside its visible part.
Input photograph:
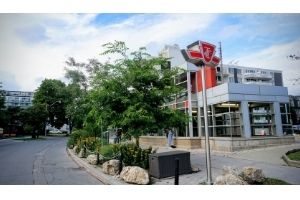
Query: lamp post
(201, 54)
(59, 101)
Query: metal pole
(46, 121)
(198, 108)
(176, 181)
(207, 148)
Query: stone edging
(95, 171)
(290, 162)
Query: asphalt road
(40, 162)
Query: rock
(92, 159)
(102, 159)
(111, 167)
(230, 170)
(134, 174)
(229, 179)
(75, 149)
(81, 154)
(195, 168)
(252, 175)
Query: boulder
(82, 153)
(136, 175)
(252, 175)
(92, 159)
(75, 149)
(230, 170)
(111, 167)
(229, 179)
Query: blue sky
(35, 46)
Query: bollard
(176, 182)
(98, 161)
(120, 163)
(84, 149)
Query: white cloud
(73, 35)
(275, 57)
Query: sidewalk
(268, 159)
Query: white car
(55, 131)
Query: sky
(35, 46)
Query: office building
(18, 99)
(247, 107)
(295, 109)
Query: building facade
(247, 107)
(247, 75)
(18, 99)
(295, 109)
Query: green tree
(81, 76)
(2, 97)
(2, 112)
(53, 95)
(33, 119)
(131, 92)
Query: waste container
(162, 165)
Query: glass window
(261, 119)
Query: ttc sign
(201, 53)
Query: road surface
(40, 162)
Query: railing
(258, 83)
(258, 75)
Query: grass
(294, 156)
(274, 181)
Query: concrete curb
(290, 162)
(95, 171)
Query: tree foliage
(54, 96)
(33, 119)
(133, 92)
(2, 97)
(2, 114)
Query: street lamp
(59, 101)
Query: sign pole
(200, 54)
(207, 147)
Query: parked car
(55, 131)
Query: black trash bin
(162, 165)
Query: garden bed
(292, 158)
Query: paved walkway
(268, 159)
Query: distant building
(247, 75)
(295, 108)
(246, 107)
(18, 99)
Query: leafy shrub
(109, 151)
(77, 150)
(91, 143)
(76, 136)
(133, 155)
